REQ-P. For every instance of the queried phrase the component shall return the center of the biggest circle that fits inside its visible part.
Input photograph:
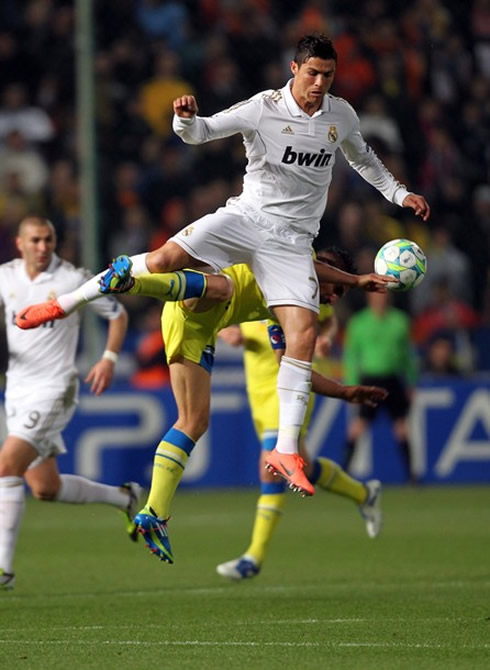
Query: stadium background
(417, 74)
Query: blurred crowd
(416, 71)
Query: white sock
(12, 505)
(78, 490)
(293, 387)
(90, 290)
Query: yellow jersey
(192, 335)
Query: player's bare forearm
(369, 282)
(329, 274)
(364, 395)
(322, 385)
(368, 395)
(116, 332)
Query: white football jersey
(291, 154)
(44, 357)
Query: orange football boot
(291, 468)
(33, 316)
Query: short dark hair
(339, 258)
(316, 45)
(34, 220)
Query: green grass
(328, 597)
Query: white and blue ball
(403, 260)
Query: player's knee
(219, 287)
(167, 258)
(195, 426)
(201, 425)
(401, 431)
(9, 468)
(44, 492)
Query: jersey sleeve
(364, 160)
(240, 118)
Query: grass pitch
(328, 596)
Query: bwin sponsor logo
(321, 159)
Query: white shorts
(40, 417)
(280, 259)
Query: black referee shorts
(396, 404)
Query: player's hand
(186, 106)
(100, 376)
(419, 205)
(365, 395)
(375, 283)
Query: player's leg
(264, 405)
(218, 240)
(401, 431)
(16, 455)
(288, 281)
(166, 287)
(270, 505)
(356, 428)
(35, 420)
(268, 513)
(191, 385)
(171, 257)
(398, 406)
(293, 386)
(329, 476)
(46, 483)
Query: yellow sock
(170, 286)
(168, 467)
(269, 510)
(332, 478)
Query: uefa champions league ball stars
(403, 260)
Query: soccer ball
(403, 260)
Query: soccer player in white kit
(42, 387)
(291, 136)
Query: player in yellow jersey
(190, 337)
(261, 370)
(190, 328)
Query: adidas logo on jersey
(321, 159)
(287, 131)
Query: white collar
(46, 274)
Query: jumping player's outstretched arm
(365, 395)
(369, 282)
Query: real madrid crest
(332, 134)
(188, 231)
